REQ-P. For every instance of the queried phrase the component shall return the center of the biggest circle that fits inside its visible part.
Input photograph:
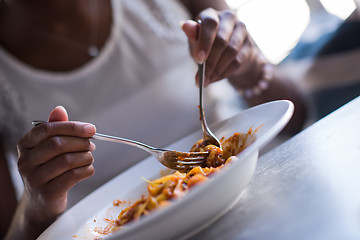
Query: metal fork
(181, 161)
(209, 137)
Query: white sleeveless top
(141, 86)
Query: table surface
(306, 188)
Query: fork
(180, 161)
(209, 137)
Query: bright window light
(277, 25)
(340, 8)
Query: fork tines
(185, 161)
(189, 156)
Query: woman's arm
(8, 202)
(279, 87)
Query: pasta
(163, 190)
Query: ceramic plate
(202, 205)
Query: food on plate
(165, 189)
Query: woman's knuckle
(90, 170)
(79, 172)
(72, 126)
(89, 157)
(236, 63)
(74, 173)
(210, 65)
(84, 144)
(240, 24)
(67, 161)
(84, 172)
(228, 14)
(232, 51)
(87, 144)
(55, 143)
(210, 22)
(216, 73)
(45, 129)
(47, 196)
(220, 41)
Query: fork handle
(201, 88)
(205, 128)
(104, 137)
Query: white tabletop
(307, 188)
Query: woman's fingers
(220, 40)
(48, 178)
(51, 148)
(233, 51)
(225, 40)
(191, 29)
(61, 164)
(55, 146)
(66, 128)
(207, 33)
(67, 180)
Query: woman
(120, 65)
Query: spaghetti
(161, 191)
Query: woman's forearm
(26, 224)
(8, 202)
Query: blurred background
(278, 25)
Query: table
(306, 188)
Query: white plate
(201, 206)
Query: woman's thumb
(191, 29)
(58, 114)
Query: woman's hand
(53, 157)
(223, 42)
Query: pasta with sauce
(161, 191)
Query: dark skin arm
(8, 203)
(282, 88)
